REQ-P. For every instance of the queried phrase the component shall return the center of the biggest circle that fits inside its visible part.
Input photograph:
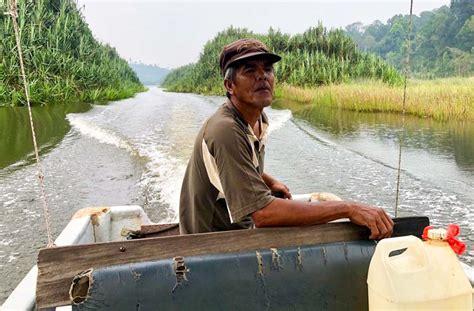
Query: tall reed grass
(64, 62)
(441, 99)
(315, 57)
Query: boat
(115, 258)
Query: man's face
(253, 83)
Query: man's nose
(261, 74)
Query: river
(135, 151)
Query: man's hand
(375, 218)
(278, 186)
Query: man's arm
(276, 186)
(282, 212)
(269, 180)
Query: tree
(465, 36)
(441, 43)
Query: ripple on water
(136, 151)
(6, 242)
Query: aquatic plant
(64, 62)
(441, 99)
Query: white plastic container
(426, 276)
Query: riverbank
(60, 93)
(64, 63)
(440, 99)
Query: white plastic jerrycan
(408, 274)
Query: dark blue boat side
(320, 277)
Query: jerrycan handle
(410, 249)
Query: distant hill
(149, 74)
(442, 45)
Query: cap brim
(273, 57)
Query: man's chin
(266, 101)
(261, 101)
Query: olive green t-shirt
(223, 183)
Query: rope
(407, 63)
(14, 16)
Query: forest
(442, 42)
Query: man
(225, 186)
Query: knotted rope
(14, 15)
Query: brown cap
(244, 48)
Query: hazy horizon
(173, 34)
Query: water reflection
(15, 133)
(452, 139)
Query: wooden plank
(153, 231)
(148, 229)
(57, 266)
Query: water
(135, 152)
(15, 132)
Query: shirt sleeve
(244, 189)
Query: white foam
(8, 203)
(89, 128)
(163, 174)
(5, 242)
(277, 118)
(162, 177)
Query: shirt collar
(263, 121)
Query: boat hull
(319, 277)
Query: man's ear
(229, 86)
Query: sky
(172, 33)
